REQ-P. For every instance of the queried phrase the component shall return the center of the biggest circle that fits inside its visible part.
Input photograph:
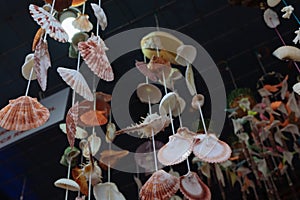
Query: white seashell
(76, 81)
(186, 54)
(23, 113)
(176, 150)
(100, 15)
(49, 23)
(271, 18)
(42, 63)
(95, 144)
(193, 188)
(288, 10)
(210, 149)
(160, 186)
(148, 93)
(110, 132)
(296, 88)
(82, 23)
(80, 133)
(67, 184)
(297, 38)
(171, 101)
(190, 81)
(287, 53)
(93, 53)
(71, 123)
(107, 191)
(28, 66)
(197, 100)
(273, 3)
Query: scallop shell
(42, 63)
(95, 143)
(100, 15)
(60, 5)
(94, 118)
(197, 99)
(82, 23)
(142, 67)
(271, 18)
(71, 123)
(176, 150)
(210, 149)
(107, 191)
(189, 80)
(193, 188)
(287, 53)
(39, 34)
(67, 184)
(23, 113)
(148, 93)
(186, 54)
(160, 186)
(28, 66)
(51, 25)
(296, 88)
(80, 133)
(76, 81)
(93, 53)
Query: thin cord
(68, 176)
(97, 29)
(83, 8)
(77, 68)
(29, 81)
(23, 189)
(108, 170)
(153, 141)
(202, 119)
(90, 186)
(165, 85)
(171, 118)
(231, 76)
(51, 11)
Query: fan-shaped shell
(193, 188)
(176, 150)
(160, 186)
(107, 191)
(296, 88)
(94, 118)
(82, 23)
(51, 25)
(67, 184)
(42, 63)
(148, 93)
(71, 123)
(210, 149)
(287, 53)
(186, 54)
(28, 66)
(271, 18)
(197, 100)
(23, 113)
(143, 68)
(100, 15)
(93, 53)
(76, 81)
(80, 133)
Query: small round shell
(148, 93)
(197, 99)
(28, 66)
(271, 18)
(67, 184)
(186, 54)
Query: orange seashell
(39, 34)
(76, 3)
(81, 180)
(82, 23)
(210, 149)
(193, 188)
(160, 186)
(23, 113)
(275, 104)
(71, 123)
(94, 118)
(60, 5)
(110, 157)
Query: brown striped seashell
(71, 123)
(39, 34)
(160, 186)
(193, 188)
(82, 23)
(81, 180)
(210, 149)
(93, 53)
(23, 113)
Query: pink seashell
(49, 23)
(82, 23)
(160, 186)
(193, 188)
(42, 63)
(210, 149)
(23, 113)
(71, 123)
(93, 53)
(142, 67)
(76, 81)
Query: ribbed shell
(51, 25)
(93, 53)
(76, 81)
(23, 113)
(94, 118)
(160, 186)
(193, 188)
(71, 123)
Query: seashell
(273, 3)
(189, 80)
(28, 66)
(110, 132)
(60, 5)
(95, 144)
(93, 53)
(81, 180)
(39, 34)
(160, 67)
(79, 37)
(174, 75)
(82, 23)
(288, 10)
(186, 54)
(67, 184)
(42, 63)
(107, 191)
(76, 3)
(148, 93)
(171, 101)
(110, 157)
(176, 150)
(197, 100)
(23, 113)
(101, 96)
(287, 53)
(80, 133)
(271, 18)
(93, 171)
(210, 149)
(152, 124)
(160, 185)
(94, 118)
(193, 188)
(70, 157)
(143, 68)
(71, 123)
(296, 88)
(175, 197)
(76, 81)
(51, 25)
(100, 15)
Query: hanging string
(51, 11)
(171, 119)
(29, 81)
(202, 119)
(90, 186)
(97, 28)
(231, 75)
(68, 176)
(258, 57)
(83, 8)
(296, 18)
(145, 61)
(152, 136)
(23, 189)
(108, 169)
(165, 84)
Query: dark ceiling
(232, 35)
